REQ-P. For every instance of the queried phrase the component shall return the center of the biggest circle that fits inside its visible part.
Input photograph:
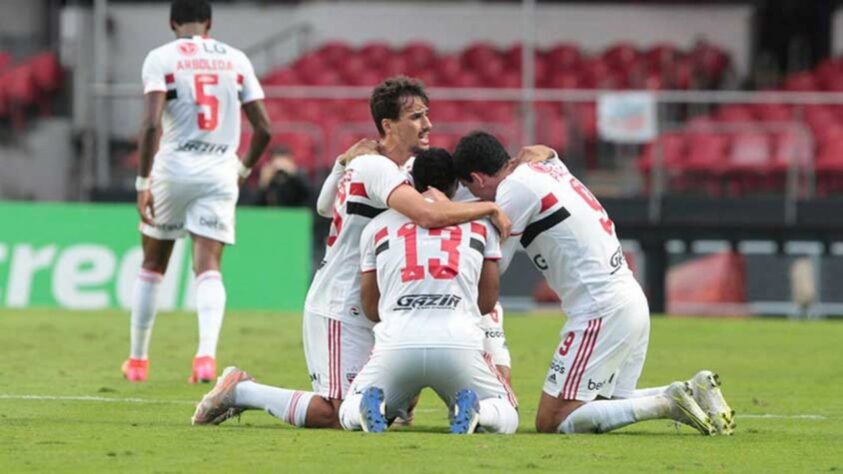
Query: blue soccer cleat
(372, 411)
(466, 413)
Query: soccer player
(571, 239)
(337, 335)
(427, 289)
(194, 88)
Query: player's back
(428, 280)
(572, 240)
(205, 82)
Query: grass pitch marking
(89, 398)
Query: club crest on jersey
(428, 301)
(188, 48)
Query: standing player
(193, 89)
(427, 288)
(337, 336)
(571, 239)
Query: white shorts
(494, 342)
(335, 352)
(203, 208)
(603, 356)
(403, 373)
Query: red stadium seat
(376, 53)
(334, 52)
(420, 55)
(620, 55)
(801, 82)
(563, 56)
(479, 53)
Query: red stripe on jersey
(240, 79)
(169, 78)
(381, 234)
(478, 228)
(358, 189)
(548, 202)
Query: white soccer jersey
(568, 236)
(362, 194)
(206, 82)
(428, 280)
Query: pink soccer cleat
(218, 404)
(135, 370)
(204, 370)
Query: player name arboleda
(427, 301)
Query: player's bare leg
(156, 256)
(557, 415)
(210, 305)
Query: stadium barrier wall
(86, 257)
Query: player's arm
(261, 134)
(489, 286)
(370, 295)
(406, 200)
(536, 154)
(328, 193)
(153, 110)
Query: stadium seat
(563, 57)
(421, 55)
(749, 162)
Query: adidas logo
(552, 378)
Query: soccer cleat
(204, 370)
(466, 413)
(373, 411)
(706, 389)
(135, 370)
(685, 410)
(218, 404)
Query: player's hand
(146, 207)
(502, 222)
(435, 194)
(366, 146)
(535, 154)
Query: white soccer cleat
(706, 389)
(218, 404)
(685, 410)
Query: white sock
(606, 415)
(144, 305)
(498, 416)
(648, 392)
(210, 308)
(289, 406)
(350, 412)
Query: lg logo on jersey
(540, 262)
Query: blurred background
(711, 131)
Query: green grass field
(784, 378)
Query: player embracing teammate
(571, 239)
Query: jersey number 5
(209, 120)
(447, 271)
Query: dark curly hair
(434, 167)
(190, 11)
(389, 95)
(479, 152)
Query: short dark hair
(479, 152)
(388, 96)
(434, 167)
(190, 11)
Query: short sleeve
(380, 176)
(252, 89)
(518, 202)
(367, 248)
(152, 74)
(492, 251)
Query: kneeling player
(571, 239)
(428, 289)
